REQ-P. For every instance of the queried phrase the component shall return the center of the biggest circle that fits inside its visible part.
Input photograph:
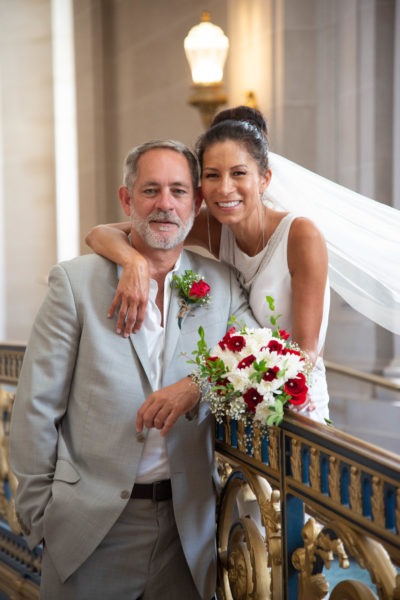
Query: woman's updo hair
(242, 113)
(246, 134)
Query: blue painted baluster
(366, 493)
(264, 449)
(324, 465)
(305, 464)
(344, 484)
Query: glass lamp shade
(206, 47)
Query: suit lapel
(138, 341)
(172, 330)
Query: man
(86, 477)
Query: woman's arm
(308, 265)
(132, 292)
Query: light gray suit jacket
(73, 444)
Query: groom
(124, 511)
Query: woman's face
(231, 184)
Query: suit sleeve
(41, 401)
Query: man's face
(162, 207)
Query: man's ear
(197, 202)
(125, 199)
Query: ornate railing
(351, 490)
(11, 356)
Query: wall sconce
(206, 47)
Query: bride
(276, 252)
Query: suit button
(125, 494)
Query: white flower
(263, 410)
(239, 379)
(237, 407)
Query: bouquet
(251, 374)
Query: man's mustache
(163, 215)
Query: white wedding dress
(267, 273)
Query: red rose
(284, 335)
(235, 343)
(211, 359)
(198, 290)
(222, 344)
(297, 389)
(252, 398)
(270, 375)
(275, 346)
(291, 351)
(246, 362)
(224, 383)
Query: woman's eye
(239, 173)
(210, 175)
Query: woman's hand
(131, 297)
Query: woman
(275, 252)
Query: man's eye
(179, 191)
(149, 191)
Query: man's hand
(163, 408)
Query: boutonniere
(192, 290)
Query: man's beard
(161, 239)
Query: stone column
(28, 186)
(393, 369)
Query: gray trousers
(141, 557)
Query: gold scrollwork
(352, 590)
(377, 504)
(315, 470)
(273, 440)
(295, 459)
(334, 479)
(355, 490)
(249, 548)
(241, 437)
(339, 539)
(7, 477)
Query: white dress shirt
(153, 464)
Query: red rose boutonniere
(192, 290)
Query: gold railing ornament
(322, 544)
(249, 539)
(8, 480)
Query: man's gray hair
(131, 161)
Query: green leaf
(271, 302)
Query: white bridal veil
(362, 236)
